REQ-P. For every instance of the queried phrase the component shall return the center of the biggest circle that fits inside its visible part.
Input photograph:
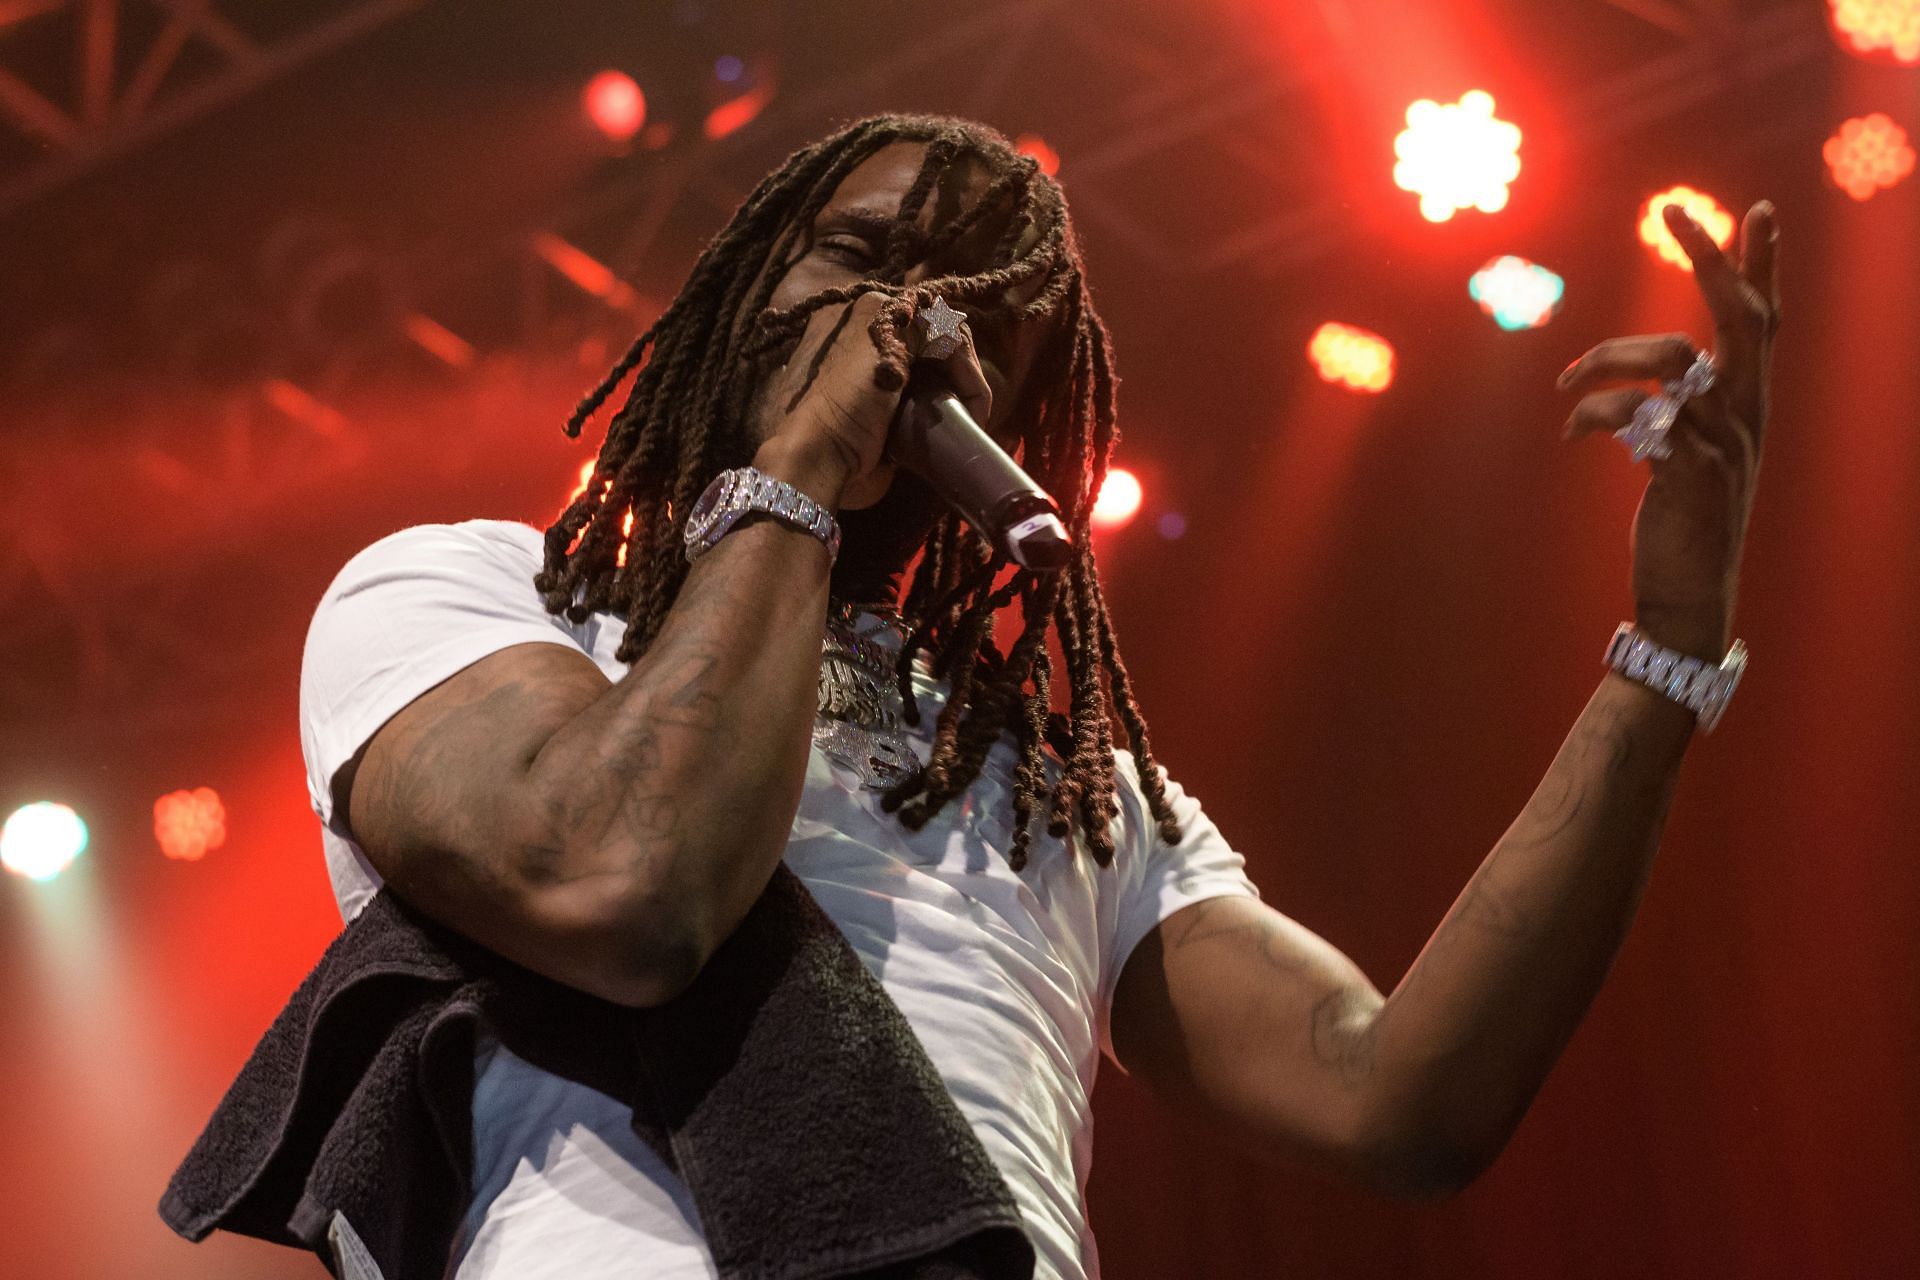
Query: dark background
(1383, 616)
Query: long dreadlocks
(617, 547)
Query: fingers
(1700, 420)
(1719, 282)
(1759, 257)
(1658, 357)
(969, 381)
(1606, 411)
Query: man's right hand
(827, 436)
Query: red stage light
(1352, 357)
(189, 823)
(1457, 156)
(1032, 144)
(737, 113)
(1706, 211)
(615, 104)
(1119, 500)
(1868, 153)
(1883, 30)
(586, 271)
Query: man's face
(847, 243)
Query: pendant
(879, 758)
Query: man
(588, 753)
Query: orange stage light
(1457, 156)
(1352, 357)
(190, 823)
(1032, 144)
(626, 525)
(1119, 499)
(615, 104)
(1706, 211)
(1882, 30)
(1867, 154)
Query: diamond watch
(741, 491)
(1699, 685)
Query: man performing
(589, 753)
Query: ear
(864, 491)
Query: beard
(877, 542)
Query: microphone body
(935, 437)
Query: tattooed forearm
(1467, 1037)
(687, 772)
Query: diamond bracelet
(742, 491)
(1701, 686)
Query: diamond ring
(939, 327)
(1645, 435)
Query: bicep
(1252, 1025)
(440, 795)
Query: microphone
(935, 437)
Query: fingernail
(1566, 374)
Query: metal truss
(1228, 104)
(106, 115)
(569, 278)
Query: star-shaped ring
(939, 327)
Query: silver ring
(1645, 435)
(939, 329)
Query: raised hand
(1692, 522)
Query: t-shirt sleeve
(410, 611)
(1168, 877)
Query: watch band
(1695, 683)
(739, 492)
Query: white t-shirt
(1007, 979)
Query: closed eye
(854, 251)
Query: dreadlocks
(617, 546)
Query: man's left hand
(1692, 522)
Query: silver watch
(1701, 686)
(739, 492)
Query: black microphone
(935, 437)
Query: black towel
(784, 1086)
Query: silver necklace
(860, 717)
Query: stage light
(586, 271)
(1032, 144)
(1706, 211)
(1518, 294)
(190, 823)
(626, 524)
(1119, 499)
(1457, 156)
(727, 69)
(41, 840)
(736, 114)
(1352, 357)
(1879, 30)
(438, 341)
(305, 408)
(615, 104)
(1172, 526)
(586, 478)
(1867, 154)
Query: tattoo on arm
(1343, 1031)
